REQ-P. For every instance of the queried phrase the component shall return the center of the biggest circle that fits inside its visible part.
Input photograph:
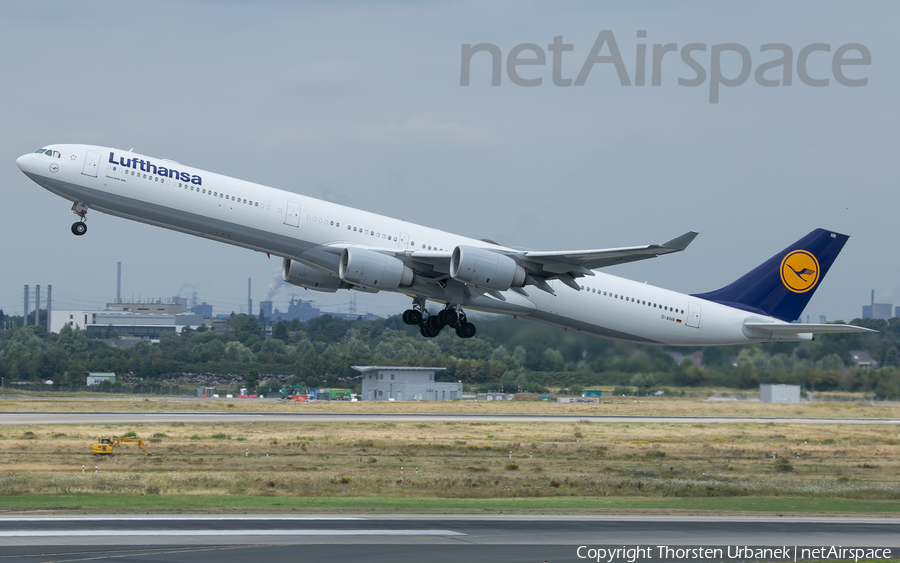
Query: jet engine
(296, 273)
(374, 270)
(485, 268)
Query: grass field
(457, 466)
(607, 406)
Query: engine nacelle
(296, 273)
(374, 270)
(485, 268)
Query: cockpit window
(48, 152)
(39, 151)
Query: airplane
(329, 247)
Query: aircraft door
(404, 240)
(693, 316)
(292, 216)
(91, 163)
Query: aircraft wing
(593, 259)
(540, 266)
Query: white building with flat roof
(779, 393)
(383, 383)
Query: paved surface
(132, 418)
(412, 538)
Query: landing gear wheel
(465, 330)
(433, 324)
(427, 332)
(412, 316)
(79, 229)
(448, 317)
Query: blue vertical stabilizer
(783, 285)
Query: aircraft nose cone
(22, 161)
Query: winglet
(682, 242)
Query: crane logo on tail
(799, 271)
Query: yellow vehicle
(105, 445)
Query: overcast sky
(361, 103)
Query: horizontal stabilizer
(799, 328)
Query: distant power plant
(37, 306)
(297, 309)
(878, 310)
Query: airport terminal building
(383, 383)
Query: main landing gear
(81, 210)
(432, 325)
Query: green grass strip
(123, 504)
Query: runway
(9, 418)
(413, 538)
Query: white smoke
(274, 286)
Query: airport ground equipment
(106, 445)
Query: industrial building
(779, 393)
(141, 325)
(158, 308)
(383, 383)
(877, 310)
(297, 309)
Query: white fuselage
(301, 228)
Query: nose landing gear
(81, 210)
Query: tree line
(509, 354)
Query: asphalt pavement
(430, 538)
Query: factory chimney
(37, 304)
(49, 304)
(118, 282)
(25, 312)
(249, 300)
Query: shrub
(512, 467)
(784, 465)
